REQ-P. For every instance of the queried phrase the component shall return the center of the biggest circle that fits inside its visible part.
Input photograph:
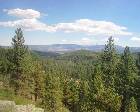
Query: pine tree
(39, 82)
(109, 62)
(132, 106)
(4, 67)
(3, 61)
(84, 104)
(103, 98)
(71, 94)
(127, 77)
(19, 50)
(52, 100)
(137, 86)
(96, 89)
(33, 76)
(138, 63)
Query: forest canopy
(80, 81)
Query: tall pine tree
(127, 77)
(109, 62)
(19, 50)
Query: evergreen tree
(71, 94)
(39, 82)
(103, 98)
(96, 86)
(138, 82)
(109, 62)
(127, 77)
(74, 82)
(52, 100)
(132, 106)
(84, 103)
(138, 63)
(19, 50)
(4, 66)
(3, 61)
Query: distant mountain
(61, 48)
(46, 54)
(56, 47)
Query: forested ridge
(80, 81)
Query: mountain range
(61, 48)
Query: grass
(7, 94)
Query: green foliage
(8, 94)
(138, 63)
(52, 100)
(127, 78)
(71, 95)
(127, 72)
(84, 102)
(80, 81)
(104, 98)
(109, 60)
(132, 106)
(39, 80)
(19, 51)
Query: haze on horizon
(87, 22)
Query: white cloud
(137, 39)
(30, 21)
(27, 13)
(64, 40)
(116, 39)
(84, 41)
(28, 24)
(93, 27)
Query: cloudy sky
(85, 22)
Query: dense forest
(80, 81)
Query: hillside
(70, 78)
(61, 48)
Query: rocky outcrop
(10, 106)
(7, 106)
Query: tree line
(87, 82)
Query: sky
(83, 22)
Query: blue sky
(83, 22)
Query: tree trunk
(123, 102)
